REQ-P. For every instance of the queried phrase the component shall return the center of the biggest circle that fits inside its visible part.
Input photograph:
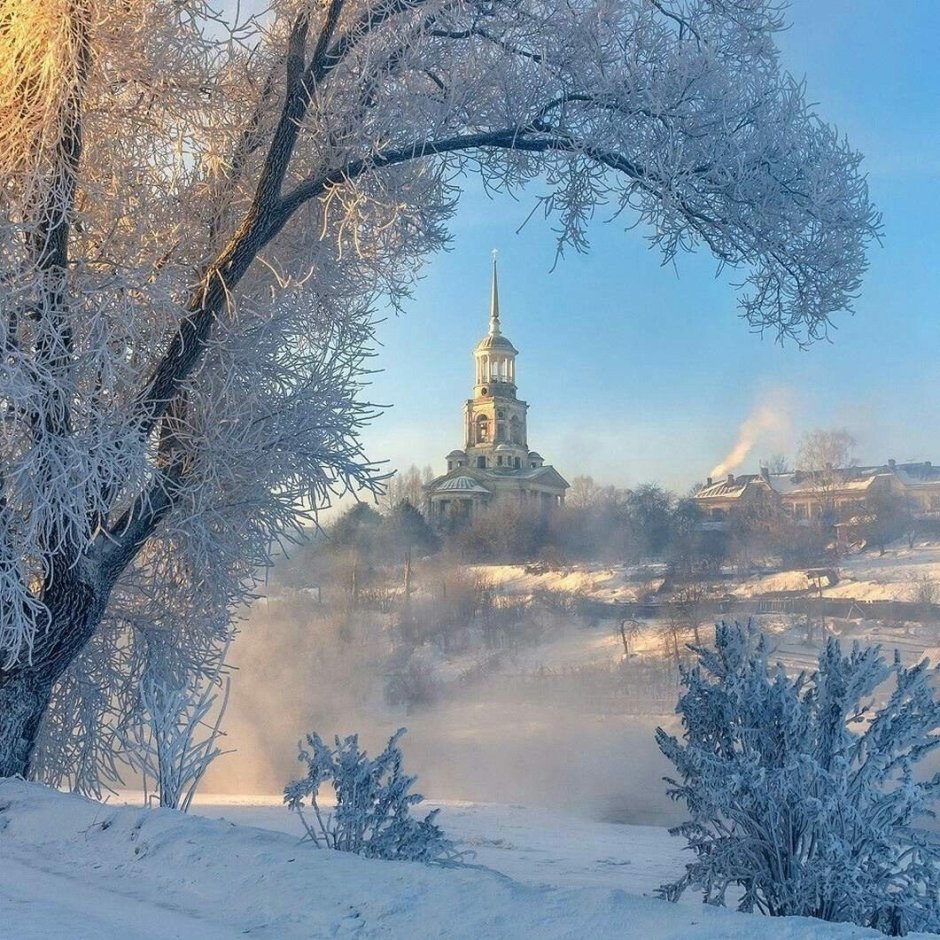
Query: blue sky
(638, 372)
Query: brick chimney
(730, 479)
(708, 481)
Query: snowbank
(72, 868)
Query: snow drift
(79, 869)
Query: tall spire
(494, 302)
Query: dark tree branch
(187, 345)
(140, 520)
(510, 138)
(263, 219)
(489, 37)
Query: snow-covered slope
(863, 577)
(72, 868)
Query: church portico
(495, 463)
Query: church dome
(456, 455)
(462, 485)
(496, 341)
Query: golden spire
(494, 302)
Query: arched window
(483, 429)
(515, 430)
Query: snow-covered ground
(80, 870)
(71, 868)
(866, 576)
(621, 583)
(863, 576)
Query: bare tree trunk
(24, 698)
(75, 610)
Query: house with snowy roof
(495, 463)
(826, 493)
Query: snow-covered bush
(803, 793)
(372, 816)
(173, 735)
(412, 682)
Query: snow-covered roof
(917, 474)
(857, 479)
(807, 483)
(729, 488)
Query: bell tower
(495, 419)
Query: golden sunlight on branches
(39, 68)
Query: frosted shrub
(414, 683)
(173, 739)
(802, 793)
(372, 816)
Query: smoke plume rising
(769, 421)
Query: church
(495, 464)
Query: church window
(481, 462)
(518, 463)
(483, 429)
(499, 461)
(500, 431)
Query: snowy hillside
(863, 576)
(81, 870)
(866, 576)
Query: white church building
(495, 463)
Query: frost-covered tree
(407, 485)
(825, 459)
(405, 533)
(804, 792)
(198, 217)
